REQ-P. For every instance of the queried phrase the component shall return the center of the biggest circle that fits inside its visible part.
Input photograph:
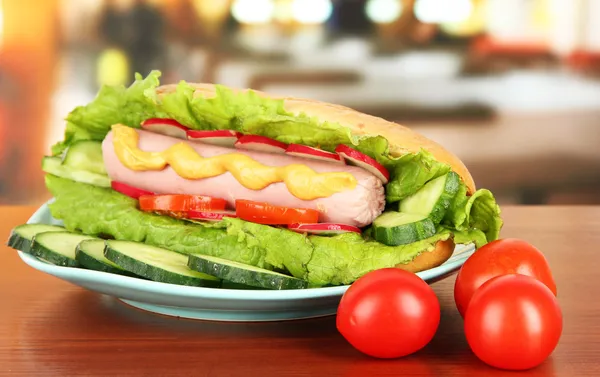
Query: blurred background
(511, 86)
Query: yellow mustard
(302, 181)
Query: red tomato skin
(514, 322)
(178, 203)
(500, 257)
(388, 313)
(265, 213)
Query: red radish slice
(363, 161)
(224, 138)
(130, 191)
(210, 216)
(169, 127)
(314, 153)
(260, 144)
(324, 228)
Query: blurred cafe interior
(511, 86)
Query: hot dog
(357, 207)
(383, 195)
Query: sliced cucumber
(90, 254)
(398, 228)
(244, 274)
(433, 199)
(58, 247)
(156, 264)
(85, 155)
(53, 165)
(21, 236)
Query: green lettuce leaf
(283, 249)
(117, 216)
(411, 172)
(243, 111)
(175, 105)
(249, 113)
(320, 260)
(104, 212)
(466, 237)
(478, 212)
(343, 259)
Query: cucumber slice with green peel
(58, 247)
(22, 236)
(240, 273)
(85, 155)
(433, 199)
(156, 264)
(54, 166)
(399, 228)
(90, 254)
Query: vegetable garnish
(132, 192)
(264, 213)
(354, 157)
(223, 138)
(304, 151)
(260, 144)
(180, 203)
(167, 127)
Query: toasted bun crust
(430, 259)
(402, 139)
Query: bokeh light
(473, 25)
(212, 10)
(383, 11)
(253, 11)
(443, 11)
(113, 68)
(283, 11)
(312, 11)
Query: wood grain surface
(51, 328)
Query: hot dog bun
(442, 252)
(402, 139)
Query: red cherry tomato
(500, 257)
(513, 322)
(388, 313)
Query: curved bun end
(402, 139)
(429, 259)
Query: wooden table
(50, 327)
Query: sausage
(357, 207)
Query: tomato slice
(264, 213)
(177, 204)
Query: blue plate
(212, 303)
